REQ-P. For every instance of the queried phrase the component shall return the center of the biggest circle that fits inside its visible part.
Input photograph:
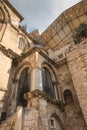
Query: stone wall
(10, 39)
(10, 31)
(77, 62)
(74, 117)
(9, 124)
(5, 66)
(30, 119)
(39, 119)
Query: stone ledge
(39, 50)
(8, 52)
(3, 89)
(41, 94)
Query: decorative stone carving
(41, 94)
(8, 52)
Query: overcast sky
(39, 14)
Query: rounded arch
(20, 68)
(68, 97)
(23, 87)
(51, 70)
(2, 17)
(49, 80)
(23, 42)
(40, 48)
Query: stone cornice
(13, 9)
(41, 94)
(3, 89)
(8, 52)
(32, 50)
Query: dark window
(52, 123)
(1, 19)
(68, 96)
(24, 86)
(3, 116)
(47, 82)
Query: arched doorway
(23, 87)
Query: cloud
(38, 13)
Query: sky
(39, 14)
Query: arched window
(1, 19)
(47, 82)
(23, 44)
(24, 86)
(68, 97)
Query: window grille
(24, 86)
(47, 82)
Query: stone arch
(23, 87)
(20, 69)
(25, 40)
(68, 97)
(17, 77)
(4, 19)
(51, 70)
(52, 88)
(58, 119)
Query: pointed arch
(51, 69)
(19, 70)
(58, 119)
(22, 76)
(49, 79)
(23, 87)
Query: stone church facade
(43, 78)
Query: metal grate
(24, 86)
(47, 82)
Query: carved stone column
(36, 77)
(13, 99)
(19, 116)
(14, 96)
(36, 72)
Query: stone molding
(3, 89)
(41, 94)
(8, 52)
(32, 50)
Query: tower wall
(77, 62)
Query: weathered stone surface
(67, 70)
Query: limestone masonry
(43, 77)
